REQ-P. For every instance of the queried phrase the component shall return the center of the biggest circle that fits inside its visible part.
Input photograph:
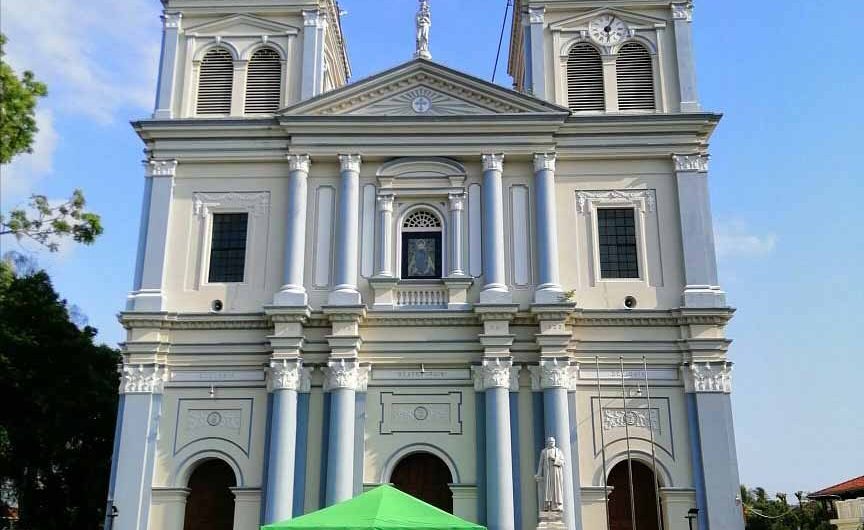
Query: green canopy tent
(383, 508)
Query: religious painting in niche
(421, 246)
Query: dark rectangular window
(421, 255)
(228, 249)
(617, 230)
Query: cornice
(185, 321)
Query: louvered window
(635, 78)
(264, 82)
(215, 82)
(585, 79)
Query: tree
(764, 513)
(59, 391)
(42, 222)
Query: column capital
(495, 373)
(554, 373)
(536, 14)
(314, 18)
(683, 11)
(693, 162)
(172, 20)
(457, 201)
(349, 163)
(288, 374)
(143, 378)
(385, 203)
(493, 162)
(544, 161)
(346, 373)
(707, 377)
(299, 163)
(160, 168)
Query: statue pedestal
(551, 521)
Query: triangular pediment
(634, 20)
(242, 26)
(422, 88)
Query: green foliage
(59, 395)
(47, 224)
(764, 513)
(17, 109)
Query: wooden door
(210, 505)
(425, 476)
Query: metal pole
(653, 452)
(627, 436)
(602, 441)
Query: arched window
(421, 246)
(215, 82)
(264, 82)
(585, 79)
(635, 74)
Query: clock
(608, 30)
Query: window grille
(264, 82)
(228, 247)
(635, 73)
(616, 229)
(585, 79)
(215, 82)
(421, 219)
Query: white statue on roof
(424, 22)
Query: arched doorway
(644, 497)
(426, 477)
(210, 505)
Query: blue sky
(786, 179)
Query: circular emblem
(214, 419)
(421, 104)
(421, 413)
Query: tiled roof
(855, 484)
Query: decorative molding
(255, 202)
(493, 162)
(172, 20)
(536, 14)
(314, 19)
(707, 377)
(615, 418)
(421, 412)
(643, 199)
(160, 168)
(495, 373)
(698, 163)
(143, 379)
(633, 374)
(457, 202)
(683, 11)
(349, 163)
(299, 163)
(285, 374)
(201, 321)
(346, 374)
(544, 161)
(385, 203)
(552, 373)
(421, 101)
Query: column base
(704, 296)
(146, 301)
(551, 294)
(344, 296)
(291, 296)
(496, 295)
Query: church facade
(420, 277)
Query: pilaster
(171, 29)
(314, 25)
(536, 26)
(682, 16)
(292, 292)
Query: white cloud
(735, 239)
(18, 178)
(96, 57)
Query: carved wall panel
(421, 413)
(214, 419)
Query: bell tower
(225, 60)
(595, 58)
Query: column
(708, 386)
(495, 289)
(384, 263)
(147, 293)
(286, 378)
(697, 233)
(536, 20)
(171, 27)
(457, 208)
(314, 23)
(344, 378)
(555, 377)
(682, 15)
(347, 230)
(549, 289)
(293, 293)
(610, 81)
(141, 388)
(495, 378)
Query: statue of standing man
(424, 22)
(550, 476)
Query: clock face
(608, 30)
